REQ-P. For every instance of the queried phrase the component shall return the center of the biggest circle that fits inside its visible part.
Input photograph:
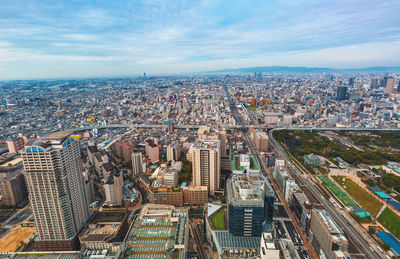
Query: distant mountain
(286, 69)
(376, 69)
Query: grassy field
(342, 196)
(366, 200)
(391, 221)
(252, 107)
(11, 241)
(218, 220)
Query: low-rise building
(327, 236)
(104, 229)
(312, 160)
(15, 145)
(170, 178)
(160, 231)
(242, 164)
(197, 195)
(267, 248)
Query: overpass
(265, 127)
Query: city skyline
(75, 39)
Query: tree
(386, 246)
(371, 230)
(370, 182)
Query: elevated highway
(266, 127)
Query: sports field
(342, 196)
(218, 220)
(366, 200)
(391, 221)
(11, 241)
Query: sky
(73, 39)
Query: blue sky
(52, 39)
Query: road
(357, 236)
(241, 126)
(196, 234)
(270, 180)
(139, 187)
(254, 152)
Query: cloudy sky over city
(51, 39)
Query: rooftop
(157, 230)
(206, 144)
(227, 240)
(390, 240)
(103, 226)
(333, 227)
(242, 162)
(244, 190)
(212, 208)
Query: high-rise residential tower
(173, 151)
(374, 83)
(137, 163)
(206, 164)
(388, 83)
(56, 188)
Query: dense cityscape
(233, 165)
(207, 129)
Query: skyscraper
(374, 83)
(173, 151)
(250, 204)
(388, 83)
(351, 81)
(341, 93)
(56, 190)
(137, 163)
(206, 163)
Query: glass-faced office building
(250, 205)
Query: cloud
(185, 36)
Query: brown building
(197, 195)
(167, 196)
(124, 149)
(118, 149)
(127, 150)
(152, 151)
(260, 140)
(206, 163)
(192, 196)
(388, 83)
(13, 190)
(15, 145)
